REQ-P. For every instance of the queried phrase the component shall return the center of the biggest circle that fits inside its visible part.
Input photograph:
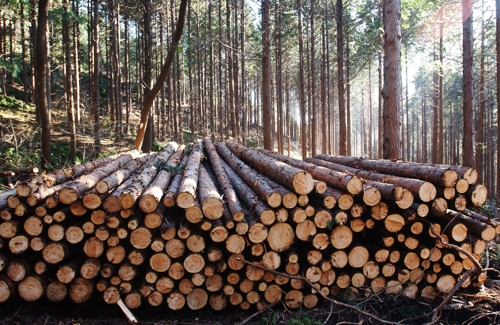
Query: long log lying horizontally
(300, 181)
(342, 181)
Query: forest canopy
(308, 77)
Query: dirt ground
(482, 307)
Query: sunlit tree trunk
(302, 103)
(392, 80)
(266, 75)
(340, 76)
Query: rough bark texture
(300, 181)
(252, 178)
(153, 194)
(186, 193)
(339, 180)
(230, 195)
(392, 80)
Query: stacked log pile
(182, 228)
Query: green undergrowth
(272, 317)
(9, 102)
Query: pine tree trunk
(392, 80)
(468, 89)
(41, 80)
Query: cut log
(194, 213)
(18, 269)
(176, 301)
(164, 285)
(75, 189)
(56, 291)
(462, 186)
(305, 230)
(460, 203)
(253, 179)
(55, 252)
(232, 200)
(280, 237)
(4, 196)
(197, 299)
(31, 288)
(358, 256)
(159, 262)
(235, 244)
(141, 237)
(440, 175)
(152, 196)
(194, 263)
(187, 188)
(478, 195)
(294, 298)
(93, 247)
(261, 210)
(130, 195)
(210, 200)
(394, 222)
(90, 268)
(341, 237)
(425, 191)
(295, 179)
(445, 283)
(474, 226)
(342, 181)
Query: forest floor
(19, 144)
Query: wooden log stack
(173, 228)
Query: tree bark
(468, 88)
(41, 80)
(233, 203)
(300, 181)
(266, 75)
(340, 75)
(392, 80)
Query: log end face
(450, 178)
(462, 186)
(148, 204)
(303, 183)
(185, 200)
(427, 192)
(406, 201)
(274, 200)
(102, 187)
(471, 176)
(127, 201)
(345, 201)
(67, 196)
(371, 196)
(238, 216)
(31, 288)
(268, 217)
(280, 237)
(355, 185)
(479, 195)
(213, 208)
